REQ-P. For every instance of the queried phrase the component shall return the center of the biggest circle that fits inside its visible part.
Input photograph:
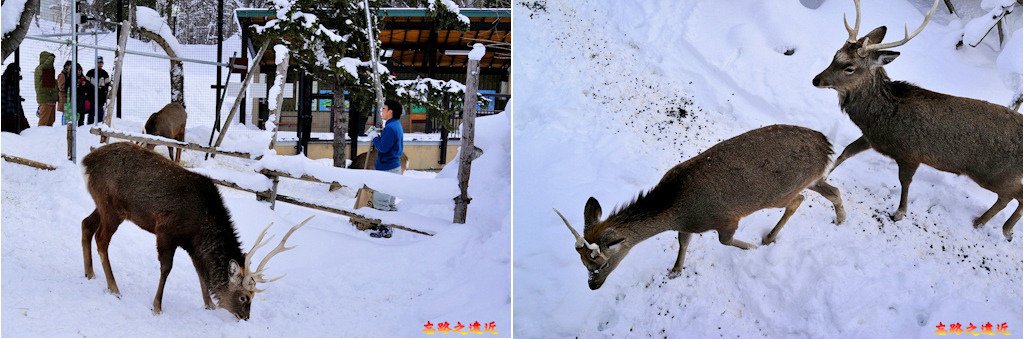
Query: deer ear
(882, 58)
(875, 36)
(591, 212)
(234, 268)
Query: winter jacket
(12, 115)
(62, 93)
(389, 146)
(85, 100)
(103, 84)
(45, 79)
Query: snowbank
(11, 15)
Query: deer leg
(165, 252)
(1008, 226)
(790, 209)
(103, 236)
(855, 147)
(89, 226)
(177, 155)
(170, 152)
(1001, 202)
(725, 237)
(677, 268)
(907, 171)
(202, 286)
(832, 194)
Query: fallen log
(27, 162)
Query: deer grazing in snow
(916, 126)
(763, 168)
(183, 209)
(168, 122)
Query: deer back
(168, 122)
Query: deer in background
(763, 168)
(915, 126)
(183, 209)
(168, 122)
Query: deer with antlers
(183, 209)
(764, 168)
(915, 126)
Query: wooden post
(118, 63)
(238, 99)
(468, 123)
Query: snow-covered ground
(640, 87)
(340, 282)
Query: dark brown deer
(168, 122)
(763, 168)
(915, 126)
(183, 209)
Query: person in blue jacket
(389, 154)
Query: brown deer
(183, 209)
(763, 168)
(916, 126)
(168, 122)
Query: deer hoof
(90, 275)
(157, 310)
(673, 273)
(898, 215)
(1009, 236)
(840, 217)
(211, 306)
(978, 223)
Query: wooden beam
(176, 144)
(27, 162)
(468, 124)
(269, 173)
(351, 215)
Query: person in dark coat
(12, 113)
(101, 80)
(84, 98)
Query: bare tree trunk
(177, 68)
(467, 150)
(12, 40)
(340, 123)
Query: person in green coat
(46, 89)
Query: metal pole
(220, 57)
(73, 122)
(95, 77)
(120, 18)
(374, 60)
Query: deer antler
(906, 36)
(856, 25)
(595, 251)
(256, 275)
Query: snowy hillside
(340, 282)
(644, 86)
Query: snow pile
(150, 20)
(11, 15)
(652, 84)
(280, 53)
(478, 52)
(1010, 59)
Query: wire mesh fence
(145, 80)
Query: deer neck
(650, 214)
(865, 104)
(213, 250)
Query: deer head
(860, 61)
(237, 296)
(601, 256)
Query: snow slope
(643, 86)
(340, 282)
